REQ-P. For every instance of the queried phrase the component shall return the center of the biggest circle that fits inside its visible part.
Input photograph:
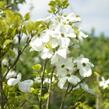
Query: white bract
(64, 67)
(84, 66)
(36, 44)
(72, 17)
(25, 86)
(11, 74)
(46, 53)
(13, 79)
(81, 36)
(104, 83)
(74, 80)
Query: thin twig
(63, 100)
(20, 52)
(69, 91)
(76, 85)
(41, 88)
(49, 90)
(1, 87)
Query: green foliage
(27, 16)
(83, 106)
(12, 4)
(10, 24)
(34, 27)
(57, 5)
(2, 4)
(36, 67)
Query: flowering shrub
(53, 39)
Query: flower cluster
(56, 44)
(13, 79)
(61, 34)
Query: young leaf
(36, 67)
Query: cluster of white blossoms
(15, 79)
(104, 83)
(56, 43)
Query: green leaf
(35, 107)
(35, 91)
(57, 5)
(2, 4)
(27, 16)
(45, 96)
(7, 42)
(36, 67)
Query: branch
(20, 52)
(2, 97)
(49, 90)
(69, 91)
(63, 100)
(42, 80)
(76, 85)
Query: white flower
(25, 86)
(66, 64)
(74, 79)
(104, 83)
(62, 52)
(11, 74)
(65, 42)
(84, 66)
(12, 81)
(54, 42)
(45, 36)
(62, 82)
(72, 18)
(62, 72)
(81, 36)
(71, 79)
(59, 56)
(36, 44)
(55, 59)
(66, 30)
(61, 62)
(64, 67)
(46, 53)
(55, 33)
(86, 88)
